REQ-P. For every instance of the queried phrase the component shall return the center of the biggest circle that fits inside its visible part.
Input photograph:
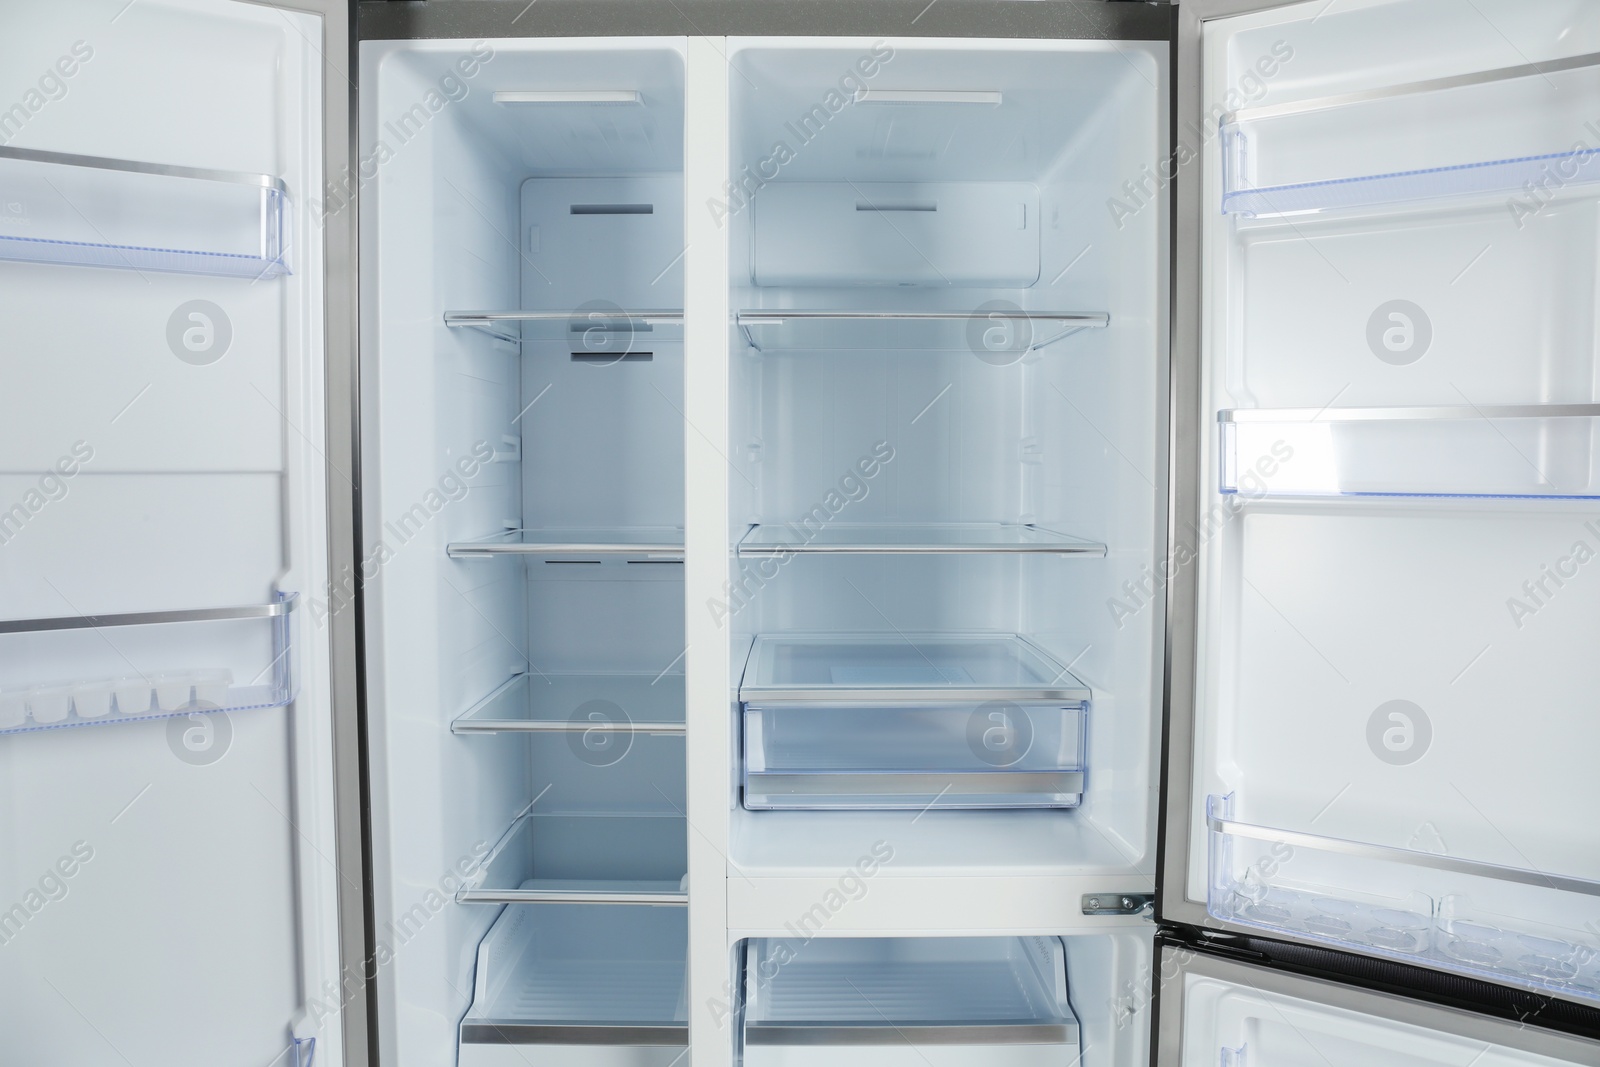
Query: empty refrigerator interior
(525, 322)
(946, 437)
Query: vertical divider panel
(706, 549)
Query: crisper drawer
(995, 754)
(581, 986)
(908, 1002)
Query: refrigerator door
(1381, 673)
(1213, 1011)
(171, 387)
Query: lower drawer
(995, 754)
(917, 1002)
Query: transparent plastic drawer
(995, 754)
(990, 1001)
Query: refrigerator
(962, 533)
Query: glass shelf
(1420, 908)
(995, 754)
(144, 666)
(889, 996)
(579, 703)
(599, 330)
(903, 669)
(1496, 132)
(1001, 336)
(1532, 450)
(944, 538)
(96, 212)
(553, 858)
(653, 544)
(564, 976)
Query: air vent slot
(613, 209)
(613, 357)
(919, 205)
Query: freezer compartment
(903, 668)
(591, 706)
(588, 857)
(1535, 450)
(1508, 131)
(1502, 924)
(995, 754)
(90, 670)
(590, 987)
(946, 1002)
(97, 212)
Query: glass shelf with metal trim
(551, 979)
(613, 858)
(1494, 922)
(645, 544)
(1492, 133)
(600, 332)
(93, 211)
(1000, 336)
(912, 538)
(647, 704)
(1528, 450)
(95, 670)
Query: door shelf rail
(1455, 914)
(596, 328)
(998, 336)
(129, 674)
(912, 538)
(631, 859)
(1549, 451)
(644, 544)
(94, 211)
(584, 704)
(1291, 158)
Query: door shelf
(1004, 1000)
(1001, 336)
(579, 704)
(904, 669)
(127, 672)
(599, 330)
(931, 538)
(585, 858)
(96, 212)
(1452, 914)
(570, 975)
(1490, 133)
(1530, 450)
(649, 544)
(951, 756)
